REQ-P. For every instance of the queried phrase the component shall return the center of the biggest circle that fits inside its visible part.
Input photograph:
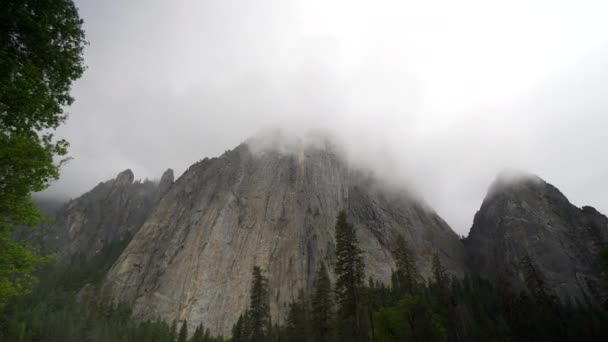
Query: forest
(66, 305)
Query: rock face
(193, 256)
(524, 215)
(111, 212)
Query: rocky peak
(125, 177)
(528, 216)
(111, 212)
(166, 181)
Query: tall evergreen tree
(258, 317)
(199, 334)
(298, 328)
(238, 330)
(183, 333)
(173, 331)
(350, 282)
(406, 274)
(440, 275)
(322, 315)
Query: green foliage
(41, 55)
(41, 46)
(183, 333)
(349, 271)
(322, 313)
(412, 319)
(201, 335)
(239, 333)
(259, 308)
(298, 320)
(439, 273)
(254, 325)
(406, 275)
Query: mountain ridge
(193, 241)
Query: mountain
(192, 258)
(192, 243)
(522, 215)
(111, 212)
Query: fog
(439, 95)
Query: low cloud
(434, 96)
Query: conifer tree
(406, 274)
(298, 329)
(258, 317)
(183, 333)
(322, 315)
(238, 330)
(350, 281)
(199, 335)
(173, 331)
(439, 273)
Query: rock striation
(192, 258)
(111, 212)
(523, 215)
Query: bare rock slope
(524, 215)
(111, 212)
(192, 258)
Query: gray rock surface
(193, 256)
(111, 212)
(523, 214)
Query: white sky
(438, 94)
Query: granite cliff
(522, 215)
(192, 258)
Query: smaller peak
(167, 176)
(166, 181)
(509, 179)
(514, 175)
(125, 177)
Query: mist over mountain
(189, 245)
(438, 95)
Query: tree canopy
(41, 54)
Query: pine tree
(238, 330)
(258, 317)
(199, 335)
(350, 281)
(298, 329)
(173, 331)
(406, 275)
(439, 273)
(183, 333)
(322, 315)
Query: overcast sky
(439, 94)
